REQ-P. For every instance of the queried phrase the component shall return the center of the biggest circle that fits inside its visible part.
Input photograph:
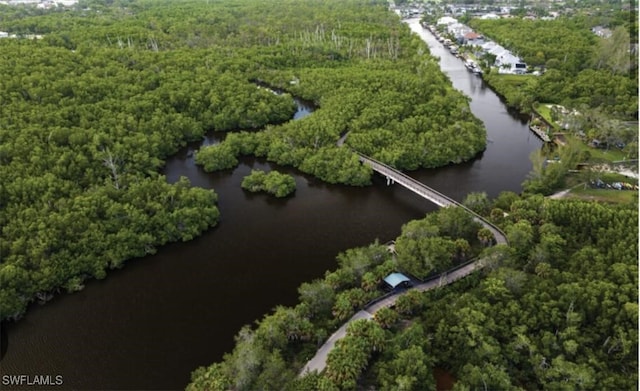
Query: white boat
(470, 64)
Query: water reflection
(150, 324)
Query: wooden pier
(540, 133)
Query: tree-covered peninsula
(555, 309)
(109, 89)
(372, 81)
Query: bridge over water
(319, 361)
(424, 191)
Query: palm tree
(485, 237)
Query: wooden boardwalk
(319, 361)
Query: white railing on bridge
(431, 194)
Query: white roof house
(497, 50)
(507, 58)
(447, 20)
(487, 46)
(510, 63)
(458, 29)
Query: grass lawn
(605, 195)
(576, 179)
(582, 192)
(610, 177)
(514, 81)
(544, 111)
(596, 155)
(599, 155)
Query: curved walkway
(319, 361)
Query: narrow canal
(150, 324)
(505, 163)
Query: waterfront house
(472, 38)
(447, 20)
(497, 50)
(510, 63)
(487, 46)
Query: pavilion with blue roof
(395, 280)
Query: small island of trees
(91, 110)
(275, 183)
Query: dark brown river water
(147, 326)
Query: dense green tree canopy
(90, 111)
(275, 183)
(582, 69)
(557, 309)
(83, 138)
(370, 78)
(112, 88)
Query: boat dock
(540, 133)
